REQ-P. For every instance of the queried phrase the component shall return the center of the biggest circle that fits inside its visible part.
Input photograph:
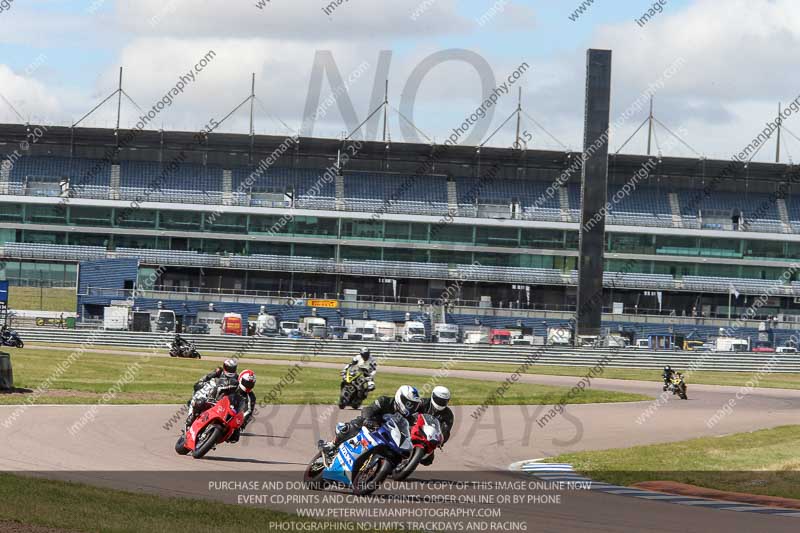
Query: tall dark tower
(594, 179)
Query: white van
(785, 349)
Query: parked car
(198, 329)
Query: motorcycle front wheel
(369, 471)
(312, 477)
(180, 449)
(206, 441)
(20, 344)
(407, 467)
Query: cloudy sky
(60, 58)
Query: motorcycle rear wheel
(407, 467)
(207, 440)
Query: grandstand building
(250, 219)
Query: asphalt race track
(127, 447)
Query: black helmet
(230, 366)
(364, 353)
(667, 368)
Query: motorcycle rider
(226, 380)
(227, 370)
(406, 402)
(178, 344)
(243, 400)
(667, 375)
(436, 406)
(366, 365)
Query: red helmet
(247, 380)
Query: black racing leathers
(211, 391)
(445, 417)
(371, 416)
(245, 403)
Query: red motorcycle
(426, 436)
(214, 426)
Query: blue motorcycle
(363, 462)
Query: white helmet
(440, 397)
(407, 400)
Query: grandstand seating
(386, 192)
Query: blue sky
(76, 48)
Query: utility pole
(385, 105)
(517, 144)
(778, 140)
(119, 96)
(650, 126)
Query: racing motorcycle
(187, 350)
(11, 338)
(214, 426)
(677, 385)
(364, 461)
(353, 389)
(426, 436)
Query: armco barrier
(279, 346)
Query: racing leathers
(367, 368)
(209, 392)
(668, 374)
(371, 416)
(245, 403)
(446, 420)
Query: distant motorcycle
(353, 390)
(187, 350)
(11, 338)
(677, 385)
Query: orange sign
(322, 303)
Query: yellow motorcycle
(678, 386)
(353, 389)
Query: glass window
(46, 214)
(451, 257)
(397, 231)
(135, 241)
(89, 216)
(449, 232)
(363, 229)
(360, 253)
(269, 224)
(322, 227)
(223, 246)
(181, 220)
(542, 238)
(405, 254)
(719, 247)
(11, 212)
(44, 237)
(224, 222)
(319, 251)
(270, 248)
(135, 218)
(492, 236)
(634, 244)
(764, 249)
(88, 239)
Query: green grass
(167, 380)
(763, 462)
(79, 507)
(702, 377)
(35, 299)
